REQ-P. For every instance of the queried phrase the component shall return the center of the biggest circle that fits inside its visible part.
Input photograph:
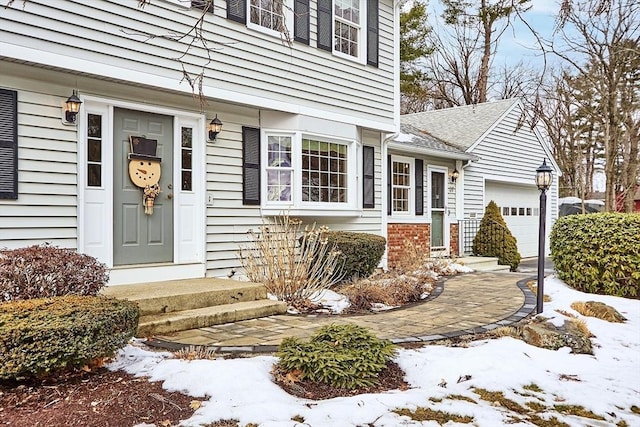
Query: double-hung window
(308, 172)
(270, 15)
(279, 168)
(347, 27)
(401, 186)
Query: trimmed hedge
(494, 239)
(344, 356)
(361, 252)
(43, 271)
(39, 337)
(598, 253)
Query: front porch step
(479, 263)
(178, 305)
(180, 295)
(207, 316)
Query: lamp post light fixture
(215, 126)
(544, 178)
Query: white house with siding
(507, 150)
(304, 125)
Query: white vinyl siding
(45, 211)
(508, 157)
(120, 40)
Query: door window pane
(186, 163)
(94, 150)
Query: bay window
(308, 172)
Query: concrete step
(180, 295)
(202, 317)
(482, 263)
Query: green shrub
(361, 252)
(494, 238)
(43, 271)
(344, 356)
(39, 337)
(598, 253)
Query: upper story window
(275, 17)
(269, 14)
(346, 15)
(347, 28)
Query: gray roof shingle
(459, 126)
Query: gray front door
(139, 238)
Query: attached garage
(520, 208)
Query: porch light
(72, 106)
(215, 126)
(454, 175)
(544, 178)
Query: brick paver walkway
(469, 303)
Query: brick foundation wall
(454, 244)
(398, 234)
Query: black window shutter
(250, 166)
(419, 187)
(325, 24)
(301, 21)
(389, 188)
(237, 10)
(8, 144)
(372, 32)
(368, 196)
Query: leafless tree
(600, 41)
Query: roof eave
(413, 149)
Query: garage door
(519, 205)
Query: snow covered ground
(607, 383)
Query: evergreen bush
(361, 252)
(598, 253)
(344, 356)
(39, 337)
(42, 271)
(494, 239)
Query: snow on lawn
(607, 383)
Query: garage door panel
(519, 207)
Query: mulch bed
(95, 399)
(116, 399)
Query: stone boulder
(547, 335)
(602, 311)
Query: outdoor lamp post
(544, 178)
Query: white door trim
(95, 204)
(445, 193)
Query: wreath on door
(144, 169)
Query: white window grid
(347, 27)
(279, 168)
(269, 14)
(324, 172)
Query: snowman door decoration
(144, 169)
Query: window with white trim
(347, 27)
(269, 14)
(279, 168)
(308, 171)
(401, 185)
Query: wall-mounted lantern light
(215, 126)
(71, 108)
(454, 175)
